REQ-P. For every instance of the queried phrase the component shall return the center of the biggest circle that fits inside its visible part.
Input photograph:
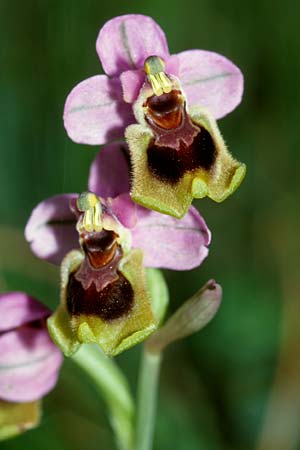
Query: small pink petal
(171, 243)
(95, 111)
(18, 308)
(109, 171)
(29, 364)
(172, 65)
(126, 41)
(125, 210)
(132, 81)
(211, 80)
(51, 230)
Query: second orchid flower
(104, 292)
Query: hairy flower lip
(116, 316)
(172, 167)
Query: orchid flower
(107, 243)
(176, 148)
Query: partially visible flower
(29, 360)
(177, 150)
(104, 297)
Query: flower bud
(190, 318)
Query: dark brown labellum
(113, 301)
(97, 287)
(179, 145)
(169, 164)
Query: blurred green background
(235, 386)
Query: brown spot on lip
(97, 287)
(179, 145)
(169, 164)
(112, 302)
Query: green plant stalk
(113, 387)
(147, 399)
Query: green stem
(113, 386)
(147, 399)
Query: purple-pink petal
(95, 111)
(18, 308)
(126, 41)
(171, 243)
(125, 210)
(51, 230)
(211, 80)
(109, 171)
(132, 82)
(29, 363)
(172, 65)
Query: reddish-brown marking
(97, 287)
(169, 164)
(112, 302)
(165, 110)
(100, 247)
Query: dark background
(235, 386)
